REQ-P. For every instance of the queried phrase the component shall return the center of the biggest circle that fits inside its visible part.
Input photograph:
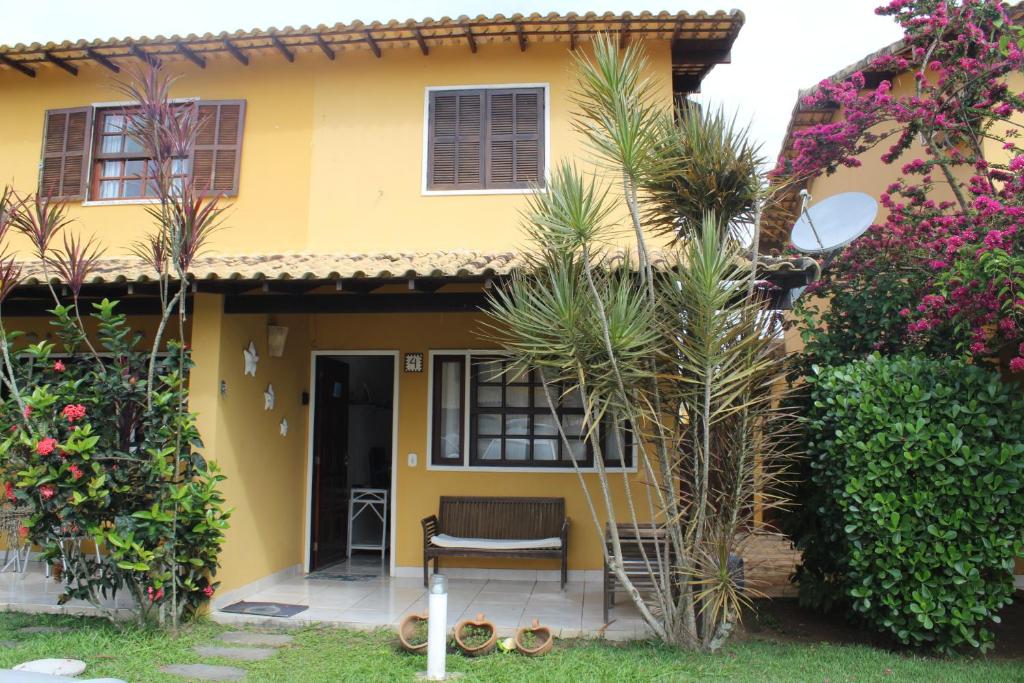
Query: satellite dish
(833, 223)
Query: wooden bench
(649, 538)
(479, 526)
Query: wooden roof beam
(624, 34)
(236, 52)
(419, 41)
(470, 40)
(282, 48)
(139, 53)
(17, 66)
(190, 55)
(372, 43)
(572, 36)
(324, 47)
(522, 36)
(62, 63)
(102, 60)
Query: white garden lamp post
(436, 628)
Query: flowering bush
(951, 242)
(912, 508)
(85, 452)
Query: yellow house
(375, 174)
(873, 176)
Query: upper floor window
(485, 139)
(89, 153)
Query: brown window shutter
(64, 167)
(515, 137)
(455, 140)
(217, 157)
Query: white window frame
(467, 354)
(546, 87)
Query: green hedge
(912, 511)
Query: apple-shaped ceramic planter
(476, 637)
(410, 632)
(534, 640)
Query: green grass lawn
(326, 654)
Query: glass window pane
(538, 397)
(111, 169)
(578, 449)
(517, 449)
(131, 145)
(488, 397)
(179, 166)
(111, 144)
(545, 449)
(488, 449)
(573, 425)
(520, 378)
(109, 189)
(451, 413)
(132, 188)
(135, 167)
(490, 371)
(517, 424)
(545, 424)
(614, 442)
(572, 400)
(113, 123)
(517, 397)
(488, 424)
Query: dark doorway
(352, 432)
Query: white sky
(785, 45)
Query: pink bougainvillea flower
(74, 412)
(1017, 364)
(27, 412)
(59, 366)
(208, 591)
(46, 446)
(76, 472)
(47, 492)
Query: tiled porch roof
(455, 264)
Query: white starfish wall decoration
(251, 359)
(268, 398)
(284, 426)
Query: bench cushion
(446, 541)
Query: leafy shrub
(913, 505)
(94, 459)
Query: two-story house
(375, 174)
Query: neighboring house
(873, 176)
(376, 174)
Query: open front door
(330, 463)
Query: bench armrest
(430, 527)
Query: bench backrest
(501, 518)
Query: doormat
(265, 609)
(340, 576)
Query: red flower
(74, 412)
(76, 473)
(27, 412)
(1017, 364)
(59, 366)
(23, 532)
(9, 491)
(208, 591)
(46, 446)
(154, 595)
(47, 492)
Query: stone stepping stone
(259, 639)
(44, 629)
(7, 644)
(242, 654)
(205, 672)
(54, 667)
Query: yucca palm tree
(685, 355)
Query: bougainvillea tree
(100, 447)
(947, 262)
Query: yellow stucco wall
(332, 153)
